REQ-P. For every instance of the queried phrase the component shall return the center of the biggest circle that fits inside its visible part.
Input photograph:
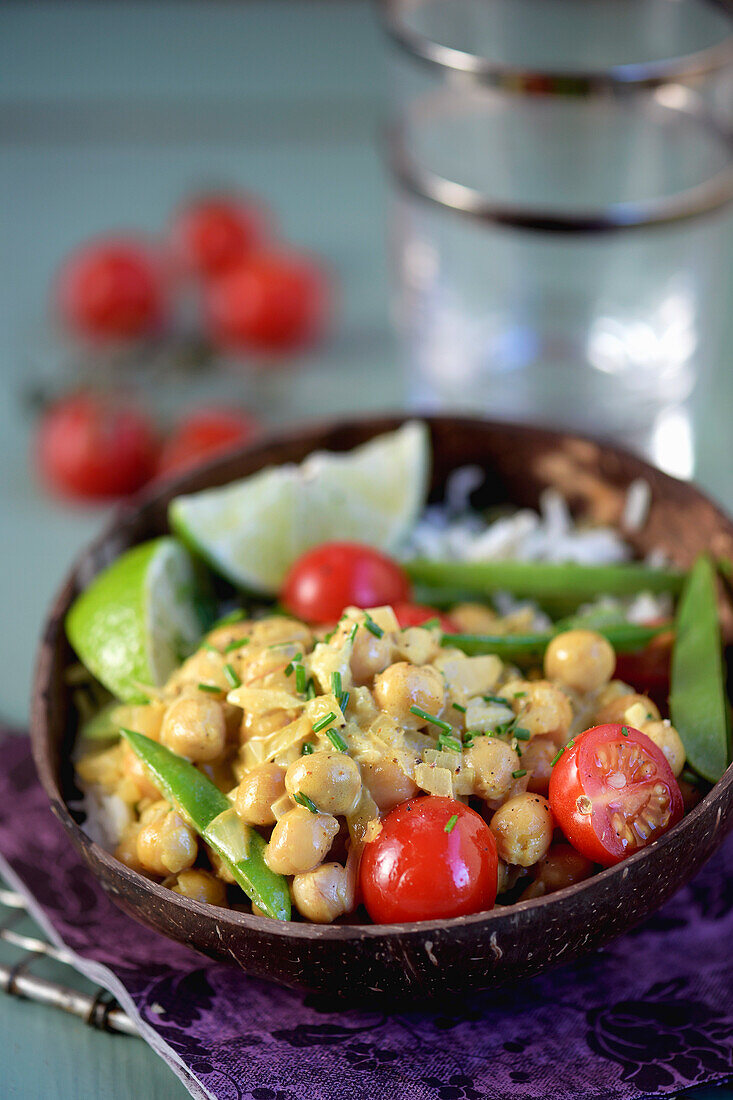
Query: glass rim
(703, 198)
(616, 78)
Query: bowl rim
(155, 493)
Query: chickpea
(146, 718)
(126, 850)
(522, 828)
(541, 707)
(369, 655)
(474, 618)
(537, 758)
(257, 792)
(580, 659)
(330, 779)
(135, 770)
(299, 841)
(615, 709)
(324, 894)
(278, 628)
(387, 783)
(666, 738)
(493, 762)
(201, 886)
(195, 728)
(561, 867)
(166, 844)
(402, 686)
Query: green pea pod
(545, 580)
(698, 702)
(624, 637)
(210, 813)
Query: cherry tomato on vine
(112, 291)
(271, 302)
(336, 575)
(214, 232)
(612, 792)
(416, 614)
(434, 858)
(93, 449)
(204, 434)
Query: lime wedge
(139, 618)
(252, 531)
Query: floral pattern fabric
(650, 1015)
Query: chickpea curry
(383, 768)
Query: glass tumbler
(560, 239)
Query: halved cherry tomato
(214, 232)
(612, 792)
(271, 302)
(91, 448)
(415, 614)
(112, 290)
(434, 858)
(204, 434)
(336, 575)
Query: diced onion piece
(258, 700)
(484, 716)
(435, 780)
(469, 676)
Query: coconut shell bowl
(436, 957)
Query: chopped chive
(291, 666)
(520, 694)
(304, 800)
(570, 743)
(323, 722)
(556, 757)
(625, 731)
(429, 624)
(337, 740)
(310, 691)
(373, 627)
(231, 676)
(467, 741)
(518, 774)
(235, 616)
(336, 683)
(344, 701)
(353, 632)
(327, 637)
(210, 648)
(450, 743)
(496, 699)
(461, 709)
(300, 680)
(521, 733)
(211, 688)
(307, 749)
(238, 643)
(451, 823)
(431, 718)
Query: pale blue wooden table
(108, 114)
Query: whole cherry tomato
(434, 858)
(112, 291)
(612, 792)
(648, 670)
(336, 575)
(214, 232)
(204, 434)
(271, 302)
(415, 614)
(91, 448)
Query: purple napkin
(652, 1014)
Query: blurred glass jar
(559, 228)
